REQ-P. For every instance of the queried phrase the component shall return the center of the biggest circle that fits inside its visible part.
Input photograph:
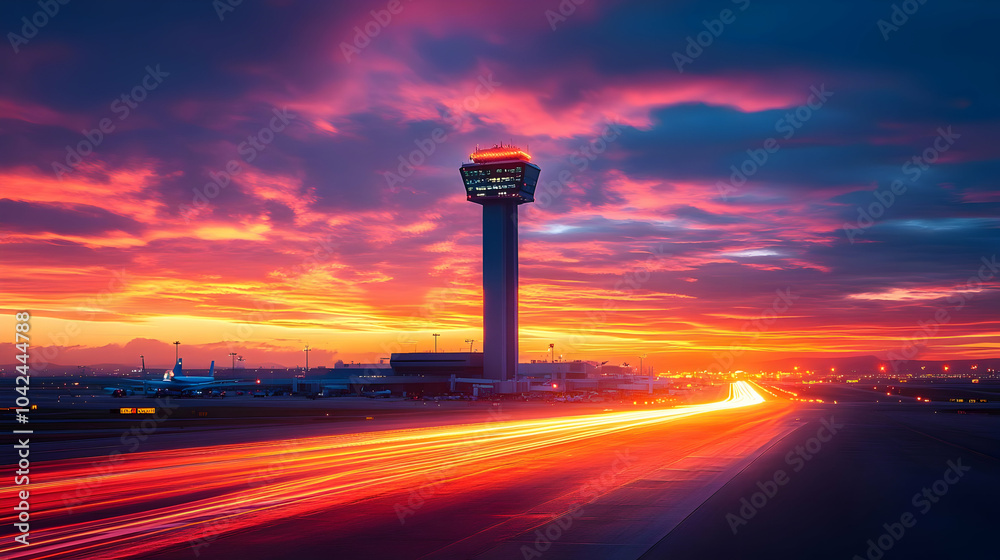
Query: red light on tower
(499, 153)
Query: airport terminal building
(418, 373)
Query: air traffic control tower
(500, 178)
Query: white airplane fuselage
(189, 380)
(173, 380)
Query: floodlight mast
(500, 178)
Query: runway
(848, 497)
(464, 491)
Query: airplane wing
(140, 383)
(210, 384)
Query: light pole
(436, 335)
(233, 356)
(470, 341)
(307, 358)
(177, 345)
(552, 360)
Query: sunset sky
(643, 239)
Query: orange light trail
(154, 500)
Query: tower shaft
(500, 289)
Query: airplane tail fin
(211, 369)
(176, 372)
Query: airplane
(175, 380)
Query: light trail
(154, 500)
